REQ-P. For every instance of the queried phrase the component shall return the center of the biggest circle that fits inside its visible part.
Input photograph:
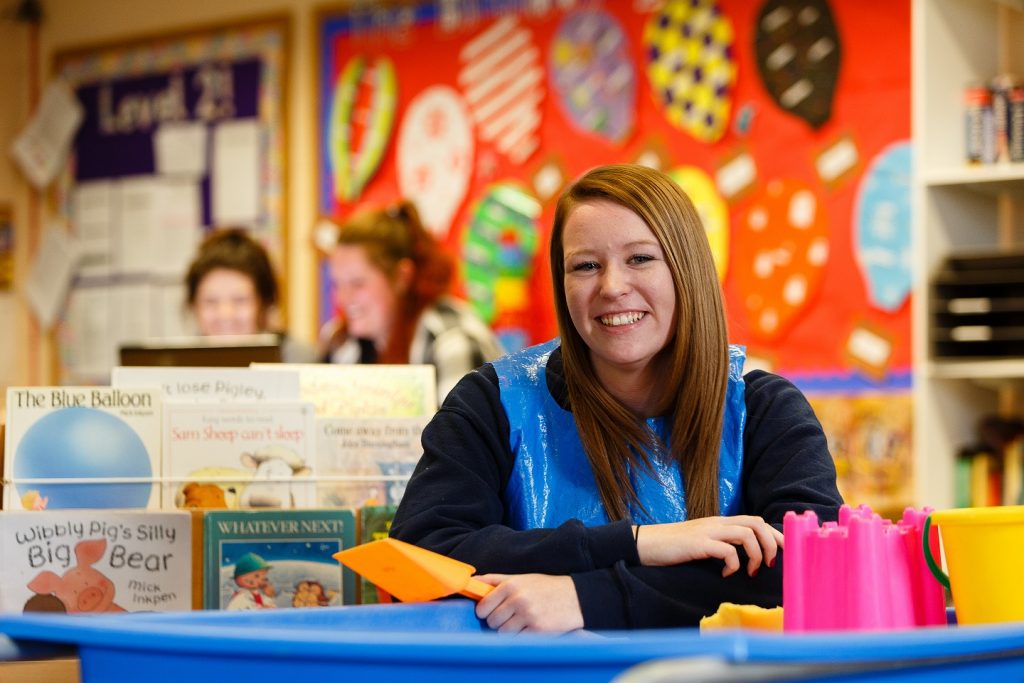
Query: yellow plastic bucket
(984, 549)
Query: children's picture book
(374, 525)
(82, 447)
(95, 561)
(264, 559)
(364, 390)
(238, 455)
(211, 385)
(366, 461)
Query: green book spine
(374, 525)
(962, 482)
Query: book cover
(374, 525)
(238, 455)
(366, 461)
(261, 559)
(211, 385)
(364, 390)
(95, 561)
(60, 440)
(986, 480)
(1013, 472)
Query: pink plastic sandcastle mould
(860, 573)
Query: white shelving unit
(958, 208)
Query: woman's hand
(530, 602)
(661, 545)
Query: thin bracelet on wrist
(636, 535)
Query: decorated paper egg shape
(780, 250)
(690, 65)
(712, 209)
(83, 443)
(798, 54)
(882, 233)
(435, 155)
(501, 76)
(498, 248)
(592, 74)
(362, 115)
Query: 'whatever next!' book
(260, 559)
(82, 447)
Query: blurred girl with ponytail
(391, 287)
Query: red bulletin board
(844, 166)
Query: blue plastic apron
(551, 480)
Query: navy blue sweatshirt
(453, 505)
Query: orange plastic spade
(410, 573)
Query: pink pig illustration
(82, 588)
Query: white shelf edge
(973, 175)
(1009, 369)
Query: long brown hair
(695, 360)
(388, 236)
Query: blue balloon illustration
(882, 220)
(74, 443)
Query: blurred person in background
(391, 282)
(232, 290)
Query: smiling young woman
(543, 465)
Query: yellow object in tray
(731, 615)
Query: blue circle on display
(74, 443)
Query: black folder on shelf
(977, 306)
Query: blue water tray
(445, 641)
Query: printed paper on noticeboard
(51, 274)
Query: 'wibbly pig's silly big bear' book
(91, 561)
